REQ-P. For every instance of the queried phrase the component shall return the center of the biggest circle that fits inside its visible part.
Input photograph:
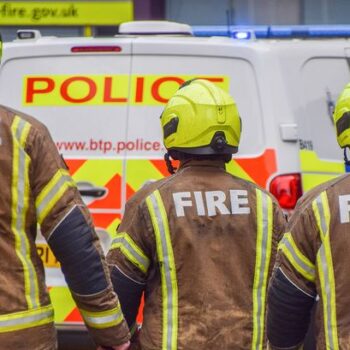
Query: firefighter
(36, 189)
(313, 260)
(201, 243)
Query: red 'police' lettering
(32, 90)
(90, 95)
(40, 86)
(107, 96)
(156, 86)
(213, 80)
(139, 89)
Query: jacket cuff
(111, 336)
(103, 317)
(296, 347)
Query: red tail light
(78, 49)
(287, 189)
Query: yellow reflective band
(298, 260)
(52, 193)
(262, 264)
(131, 251)
(104, 319)
(26, 319)
(20, 189)
(326, 272)
(167, 268)
(322, 215)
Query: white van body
(101, 99)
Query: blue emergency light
(242, 34)
(274, 32)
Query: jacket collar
(202, 163)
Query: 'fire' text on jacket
(211, 203)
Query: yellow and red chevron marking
(258, 169)
(255, 169)
(139, 171)
(107, 221)
(108, 173)
(105, 173)
(64, 306)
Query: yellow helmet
(341, 118)
(201, 119)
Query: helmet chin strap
(346, 159)
(169, 165)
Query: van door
(155, 78)
(321, 159)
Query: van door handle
(88, 190)
(93, 192)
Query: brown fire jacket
(315, 257)
(35, 188)
(202, 243)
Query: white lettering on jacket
(344, 208)
(212, 203)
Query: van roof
(202, 43)
(167, 28)
(217, 37)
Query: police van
(101, 99)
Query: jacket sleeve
(129, 259)
(289, 311)
(67, 226)
(292, 291)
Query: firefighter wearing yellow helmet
(201, 119)
(313, 261)
(342, 118)
(200, 243)
(36, 189)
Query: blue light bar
(242, 34)
(259, 31)
(277, 32)
(330, 31)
